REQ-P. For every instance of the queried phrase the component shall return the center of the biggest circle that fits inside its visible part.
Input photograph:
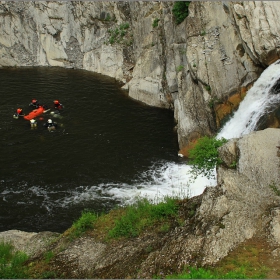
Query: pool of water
(106, 149)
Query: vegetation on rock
(155, 22)
(180, 10)
(117, 35)
(204, 156)
(12, 263)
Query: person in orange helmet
(34, 103)
(18, 113)
(57, 105)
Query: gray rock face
(32, 243)
(218, 49)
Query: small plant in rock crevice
(179, 68)
(208, 88)
(155, 23)
(274, 188)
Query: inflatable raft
(35, 113)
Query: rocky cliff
(216, 53)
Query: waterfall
(171, 179)
(261, 99)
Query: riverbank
(240, 215)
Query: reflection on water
(106, 148)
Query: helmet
(49, 120)
(56, 102)
(19, 110)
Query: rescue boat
(35, 113)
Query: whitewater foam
(166, 180)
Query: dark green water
(106, 147)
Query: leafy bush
(11, 263)
(204, 156)
(180, 10)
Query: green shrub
(155, 23)
(204, 156)
(108, 17)
(117, 35)
(124, 26)
(12, 263)
(179, 68)
(233, 164)
(203, 33)
(208, 88)
(180, 10)
(85, 222)
(141, 215)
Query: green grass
(84, 223)
(12, 263)
(203, 273)
(179, 68)
(143, 214)
(48, 256)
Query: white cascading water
(257, 102)
(171, 179)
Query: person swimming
(35, 103)
(50, 125)
(33, 123)
(57, 105)
(18, 113)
